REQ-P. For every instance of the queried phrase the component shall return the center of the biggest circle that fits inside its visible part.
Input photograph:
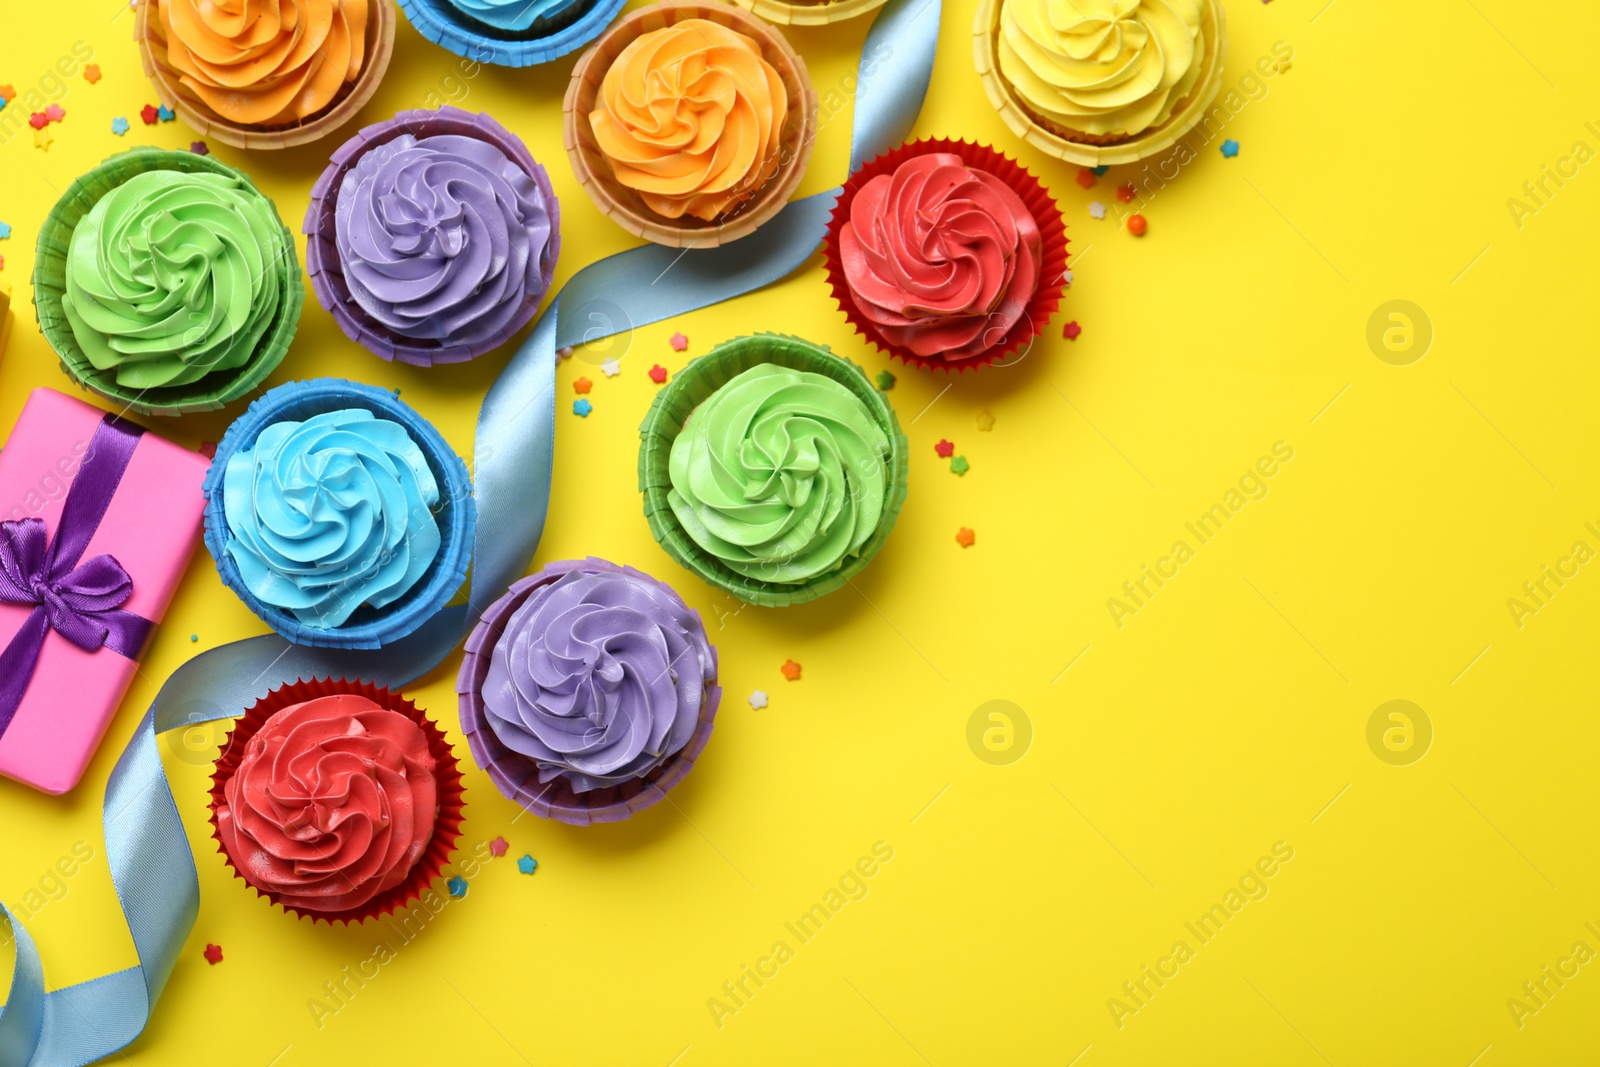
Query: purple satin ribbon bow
(83, 602)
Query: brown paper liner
(446, 827)
(801, 13)
(625, 206)
(1052, 231)
(5, 321)
(1096, 150)
(351, 98)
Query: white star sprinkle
(758, 700)
(611, 367)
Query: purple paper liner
(326, 267)
(517, 776)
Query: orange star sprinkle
(965, 537)
(791, 670)
(91, 73)
(582, 385)
(7, 93)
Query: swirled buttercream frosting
(265, 62)
(333, 802)
(443, 238)
(513, 15)
(598, 677)
(690, 116)
(1102, 67)
(942, 258)
(329, 514)
(173, 275)
(781, 474)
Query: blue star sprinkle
(119, 125)
(527, 864)
(1230, 148)
(581, 407)
(5, 230)
(1101, 169)
(458, 887)
(165, 113)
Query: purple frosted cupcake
(432, 237)
(588, 691)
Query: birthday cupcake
(946, 254)
(810, 12)
(336, 800)
(1100, 82)
(587, 691)
(772, 469)
(510, 33)
(166, 282)
(690, 125)
(338, 514)
(432, 237)
(265, 73)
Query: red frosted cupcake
(337, 800)
(946, 254)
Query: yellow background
(1228, 714)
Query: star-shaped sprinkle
(498, 846)
(581, 407)
(658, 374)
(149, 114)
(55, 113)
(5, 230)
(38, 120)
(758, 699)
(7, 93)
(791, 670)
(527, 864)
(1230, 148)
(208, 449)
(91, 73)
(1137, 225)
(42, 139)
(564, 353)
(959, 465)
(1071, 330)
(119, 125)
(199, 148)
(3, 103)
(965, 537)
(944, 449)
(1066, 278)
(885, 380)
(2, 262)
(611, 367)
(679, 343)
(1097, 210)
(582, 385)
(165, 113)
(985, 420)
(213, 954)
(1085, 178)
(1126, 192)
(457, 887)
(1101, 169)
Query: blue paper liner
(440, 22)
(456, 514)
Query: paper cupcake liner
(5, 321)
(1052, 230)
(810, 14)
(517, 776)
(49, 284)
(194, 112)
(443, 24)
(326, 267)
(624, 205)
(1084, 149)
(456, 514)
(446, 827)
(692, 386)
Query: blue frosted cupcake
(511, 33)
(338, 514)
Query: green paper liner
(692, 386)
(49, 285)
(447, 824)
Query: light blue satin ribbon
(147, 850)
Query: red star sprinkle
(1086, 178)
(791, 670)
(680, 343)
(91, 73)
(658, 374)
(2, 262)
(944, 448)
(208, 449)
(965, 537)
(55, 113)
(582, 385)
(213, 954)
(1126, 192)
(38, 120)
(498, 846)
(148, 113)
(1072, 330)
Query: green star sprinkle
(885, 380)
(959, 465)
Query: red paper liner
(1052, 230)
(446, 827)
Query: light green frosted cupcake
(772, 468)
(167, 282)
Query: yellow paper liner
(351, 98)
(1089, 150)
(813, 14)
(624, 205)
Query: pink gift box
(150, 526)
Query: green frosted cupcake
(166, 282)
(772, 468)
